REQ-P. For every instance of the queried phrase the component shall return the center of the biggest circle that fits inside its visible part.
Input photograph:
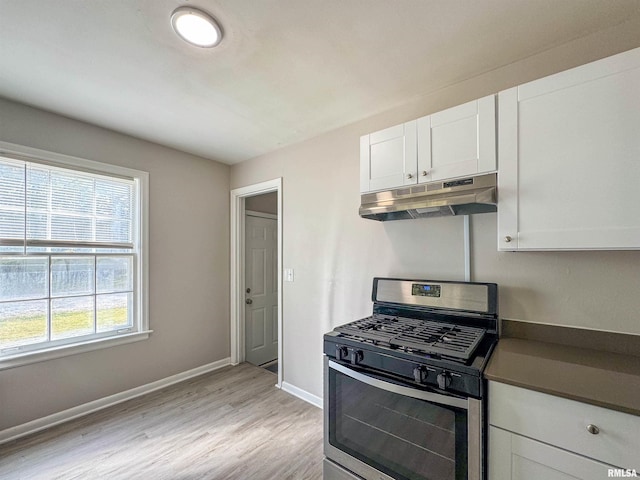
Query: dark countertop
(600, 377)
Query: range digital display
(425, 290)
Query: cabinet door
(457, 142)
(565, 423)
(570, 159)
(388, 158)
(513, 457)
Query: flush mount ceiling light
(196, 27)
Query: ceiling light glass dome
(196, 27)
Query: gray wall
(188, 269)
(265, 203)
(335, 254)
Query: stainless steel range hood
(462, 196)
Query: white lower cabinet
(536, 436)
(514, 457)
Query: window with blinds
(69, 254)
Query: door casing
(237, 310)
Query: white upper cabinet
(457, 142)
(388, 158)
(569, 147)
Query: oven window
(406, 438)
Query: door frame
(237, 279)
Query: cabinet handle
(425, 173)
(592, 429)
(507, 238)
(409, 176)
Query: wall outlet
(288, 274)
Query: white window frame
(141, 262)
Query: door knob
(248, 301)
(409, 176)
(248, 290)
(508, 238)
(425, 173)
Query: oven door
(382, 430)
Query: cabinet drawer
(563, 423)
(516, 457)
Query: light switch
(288, 274)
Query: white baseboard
(33, 426)
(303, 394)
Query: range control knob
(341, 352)
(420, 374)
(444, 380)
(356, 356)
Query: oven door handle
(400, 390)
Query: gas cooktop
(435, 334)
(416, 335)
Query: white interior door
(261, 289)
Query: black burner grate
(411, 334)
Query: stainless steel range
(403, 387)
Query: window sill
(21, 359)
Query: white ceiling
(286, 70)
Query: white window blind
(48, 206)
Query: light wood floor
(228, 424)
